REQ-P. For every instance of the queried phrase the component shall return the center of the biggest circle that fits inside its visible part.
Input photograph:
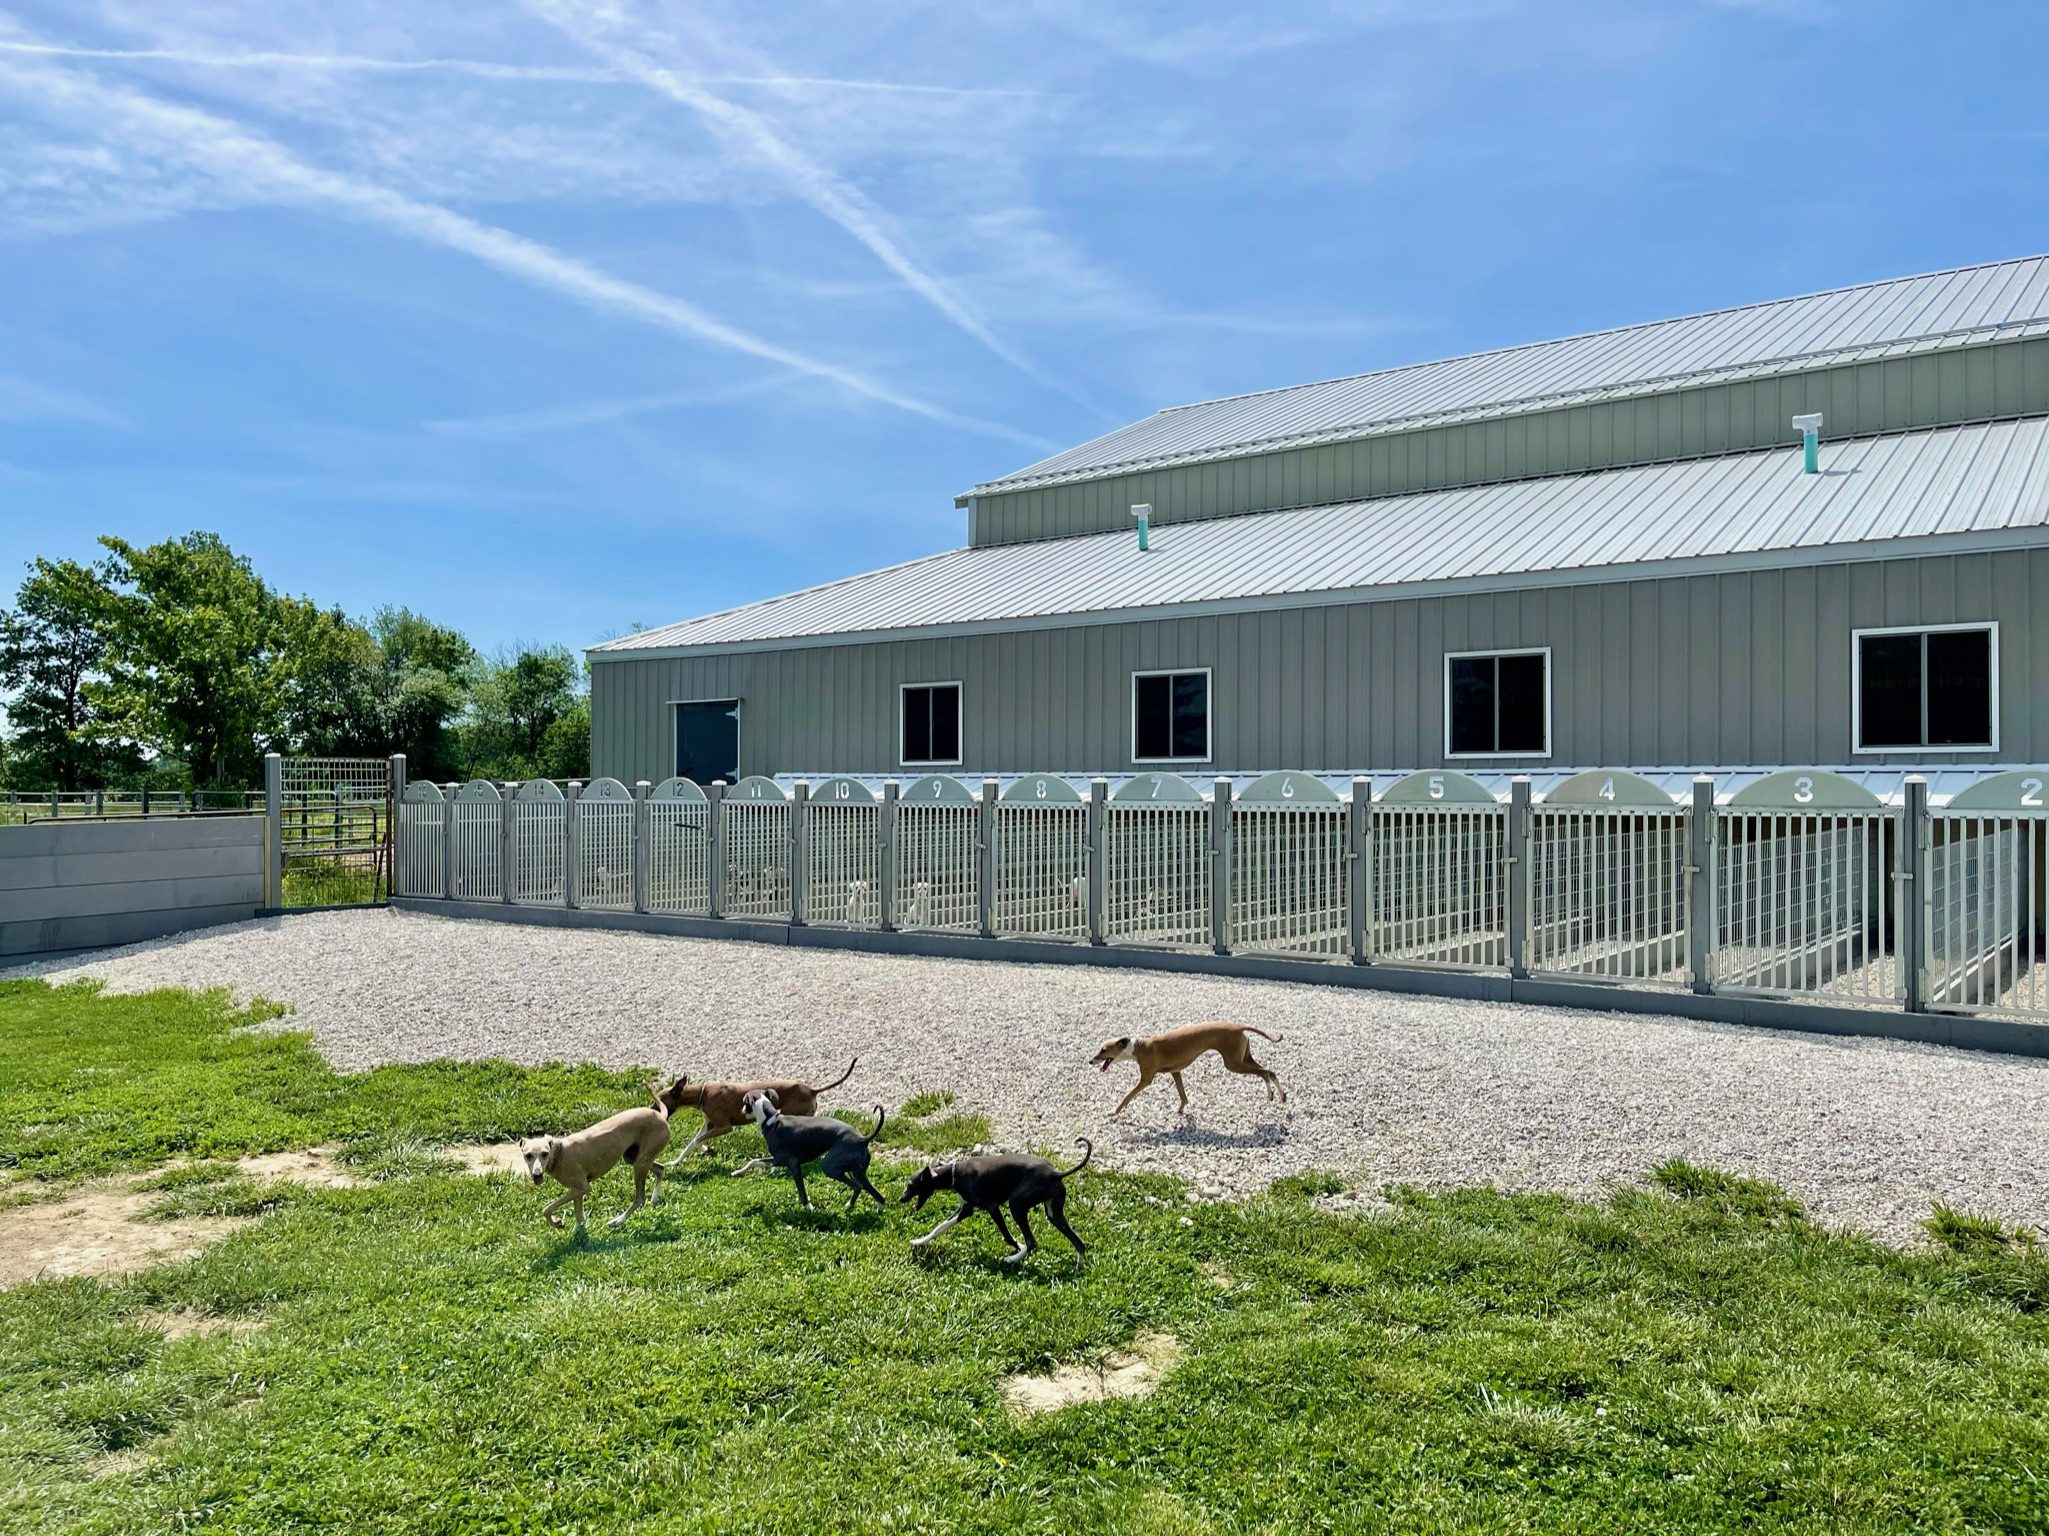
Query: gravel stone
(1385, 1087)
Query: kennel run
(1795, 884)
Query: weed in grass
(1487, 1362)
(919, 1105)
(1750, 1199)
(1974, 1235)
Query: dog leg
(1144, 1077)
(1246, 1066)
(550, 1210)
(1056, 1212)
(1182, 1089)
(947, 1225)
(639, 1199)
(1021, 1209)
(689, 1147)
(1017, 1252)
(579, 1210)
(862, 1175)
(803, 1199)
(753, 1163)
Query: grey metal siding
(1711, 670)
(1982, 383)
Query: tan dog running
(1175, 1051)
(633, 1136)
(719, 1103)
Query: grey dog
(840, 1151)
(1015, 1179)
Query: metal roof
(1985, 485)
(2000, 301)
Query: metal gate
(332, 820)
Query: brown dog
(632, 1136)
(719, 1103)
(1175, 1051)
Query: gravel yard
(1395, 1089)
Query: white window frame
(1513, 650)
(675, 707)
(931, 762)
(1209, 700)
(1990, 626)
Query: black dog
(840, 1151)
(990, 1183)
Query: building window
(1927, 688)
(1497, 703)
(1170, 717)
(931, 723)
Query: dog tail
(880, 1116)
(1088, 1150)
(828, 1087)
(1254, 1029)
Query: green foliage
(1749, 1199)
(52, 645)
(174, 664)
(194, 654)
(424, 1355)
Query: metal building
(1610, 550)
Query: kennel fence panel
(1289, 879)
(842, 860)
(1440, 886)
(1985, 913)
(421, 854)
(1805, 905)
(679, 850)
(1158, 875)
(1041, 860)
(757, 858)
(604, 847)
(937, 875)
(1608, 893)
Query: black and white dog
(840, 1151)
(1015, 1179)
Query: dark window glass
(1960, 688)
(1889, 672)
(1925, 690)
(1472, 704)
(1171, 715)
(1497, 704)
(932, 724)
(1519, 705)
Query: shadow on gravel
(1198, 1137)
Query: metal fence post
(800, 849)
(99, 802)
(715, 849)
(1099, 860)
(1359, 855)
(572, 844)
(55, 811)
(448, 842)
(392, 828)
(274, 829)
(985, 861)
(508, 866)
(1517, 862)
(145, 799)
(1910, 920)
(1220, 866)
(885, 855)
(643, 844)
(1701, 917)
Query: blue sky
(544, 317)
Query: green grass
(431, 1358)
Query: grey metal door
(708, 741)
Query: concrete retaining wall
(84, 884)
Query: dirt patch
(315, 1167)
(188, 1324)
(488, 1159)
(1132, 1373)
(98, 1231)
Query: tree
(422, 686)
(326, 676)
(52, 650)
(517, 699)
(193, 659)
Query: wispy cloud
(845, 205)
(592, 413)
(230, 153)
(24, 400)
(484, 69)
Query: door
(708, 741)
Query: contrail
(245, 158)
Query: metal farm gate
(333, 829)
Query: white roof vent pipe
(1144, 513)
(1809, 428)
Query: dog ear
(773, 1097)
